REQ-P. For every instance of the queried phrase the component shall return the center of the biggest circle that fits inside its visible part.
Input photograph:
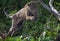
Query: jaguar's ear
(28, 4)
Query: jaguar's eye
(35, 11)
(30, 14)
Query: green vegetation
(43, 29)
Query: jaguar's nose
(35, 18)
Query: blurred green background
(44, 29)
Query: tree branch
(53, 11)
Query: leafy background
(45, 28)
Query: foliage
(45, 28)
